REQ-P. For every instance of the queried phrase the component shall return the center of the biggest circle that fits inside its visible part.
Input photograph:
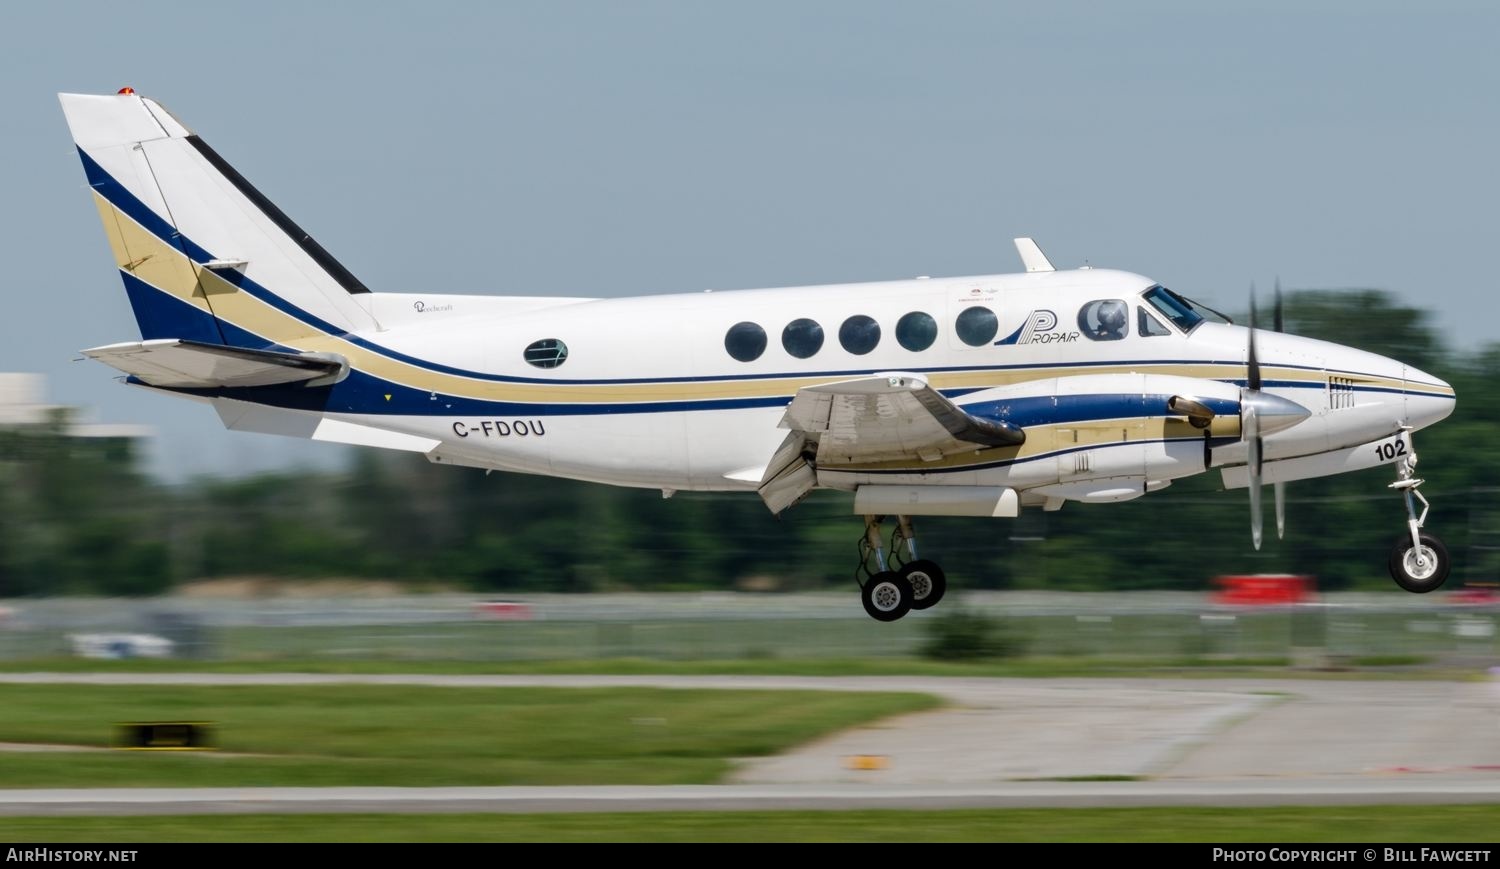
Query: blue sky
(618, 148)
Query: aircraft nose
(1428, 399)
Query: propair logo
(1037, 330)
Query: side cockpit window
(1182, 312)
(1148, 326)
(1104, 320)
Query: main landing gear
(1419, 561)
(897, 586)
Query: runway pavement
(998, 742)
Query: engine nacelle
(1116, 426)
(1092, 437)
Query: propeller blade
(1279, 489)
(1250, 424)
(1252, 364)
(1255, 512)
(1276, 315)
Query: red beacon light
(125, 91)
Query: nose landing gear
(1419, 561)
(897, 586)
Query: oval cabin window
(546, 353)
(1104, 320)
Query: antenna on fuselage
(1032, 256)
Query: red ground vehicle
(1476, 595)
(1264, 589)
(503, 610)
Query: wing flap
(176, 363)
(789, 476)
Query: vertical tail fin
(203, 254)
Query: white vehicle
(116, 646)
(970, 396)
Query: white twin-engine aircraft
(976, 396)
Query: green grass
(1425, 824)
(413, 736)
(1041, 667)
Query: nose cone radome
(1428, 399)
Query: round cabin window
(916, 331)
(745, 341)
(859, 334)
(802, 338)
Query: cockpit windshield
(1184, 313)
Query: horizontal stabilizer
(175, 363)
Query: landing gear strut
(896, 586)
(1419, 561)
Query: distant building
(22, 406)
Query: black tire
(927, 583)
(886, 596)
(1420, 578)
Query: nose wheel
(1419, 562)
(1421, 567)
(895, 587)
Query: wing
(888, 417)
(171, 362)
